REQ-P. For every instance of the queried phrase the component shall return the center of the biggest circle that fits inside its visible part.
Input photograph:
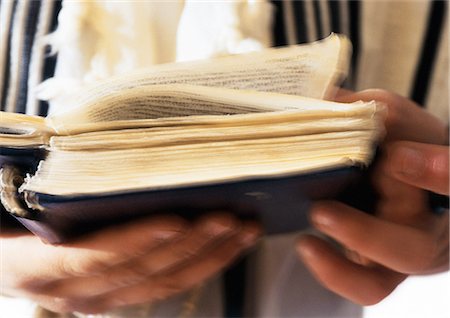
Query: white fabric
(280, 285)
(215, 28)
(98, 39)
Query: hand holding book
(111, 268)
(404, 237)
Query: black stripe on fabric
(7, 70)
(428, 53)
(28, 41)
(234, 283)
(279, 32)
(318, 19)
(334, 16)
(354, 16)
(50, 60)
(299, 19)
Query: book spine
(11, 177)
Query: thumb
(425, 166)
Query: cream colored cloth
(391, 40)
(97, 39)
(167, 31)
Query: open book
(250, 133)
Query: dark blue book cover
(279, 203)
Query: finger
(204, 234)
(197, 271)
(341, 92)
(404, 249)
(400, 202)
(89, 255)
(118, 244)
(360, 284)
(421, 165)
(405, 119)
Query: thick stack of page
(238, 137)
(277, 135)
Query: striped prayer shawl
(307, 21)
(25, 62)
(310, 20)
(24, 58)
(428, 53)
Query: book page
(188, 151)
(177, 104)
(200, 129)
(23, 131)
(110, 171)
(310, 70)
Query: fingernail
(218, 228)
(302, 247)
(321, 218)
(249, 238)
(409, 162)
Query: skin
(153, 259)
(404, 237)
(140, 262)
